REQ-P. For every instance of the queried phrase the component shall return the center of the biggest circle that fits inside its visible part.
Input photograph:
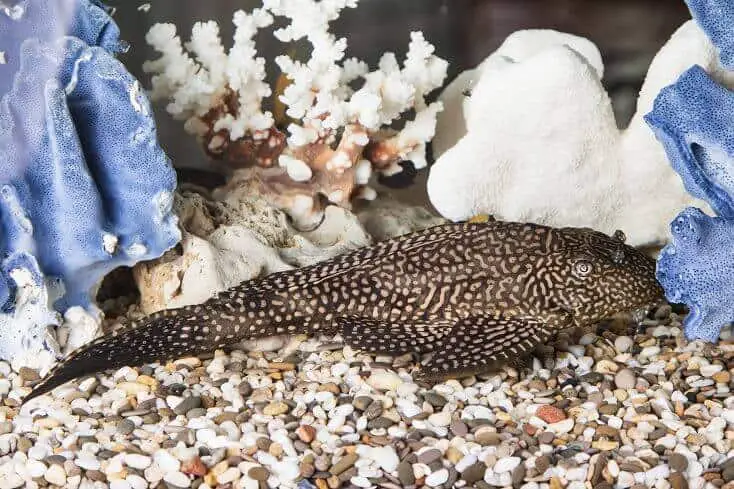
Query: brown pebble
(306, 470)
(486, 435)
(541, 464)
(263, 443)
(677, 481)
(429, 456)
(678, 462)
(258, 473)
(475, 472)
(343, 464)
(333, 482)
(405, 474)
(95, 475)
(459, 428)
(546, 437)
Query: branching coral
(83, 189)
(342, 114)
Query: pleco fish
(475, 294)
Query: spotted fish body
(473, 293)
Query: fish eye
(583, 268)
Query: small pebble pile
(614, 411)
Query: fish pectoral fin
(478, 343)
(391, 338)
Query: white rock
(36, 468)
(137, 461)
(55, 475)
(437, 478)
(477, 412)
(176, 478)
(407, 408)
(442, 418)
(39, 452)
(625, 480)
(465, 462)
(87, 461)
(561, 427)
(120, 484)
(540, 118)
(166, 461)
(360, 481)
(242, 240)
(506, 464)
(286, 470)
(613, 468)
(384, 380)
(385, 457)
(711, 369)
(228, 475)
(623, 343)
(136, 482)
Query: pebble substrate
(647, 410)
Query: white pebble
(710, 369)
(136, 482)
(339, 369)
(442, 418)
(176, 478)
(166, 461)
(623, 344)
(613, 468)
(384, 380)
(137, 461)
(228, 475)
(385, 457)
(506, 464)
(465, 462)
(39, 452)
(120, 484)
(360, 481)
(437, 478)
(87, 461)
(561, 427)
(55, 475)
(36, 468)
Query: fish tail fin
(162, 336)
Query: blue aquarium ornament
(692, 118)
(84, 185)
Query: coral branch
(343, 114)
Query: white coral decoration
(328, 97)
(196, 87)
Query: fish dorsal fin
(365, 257)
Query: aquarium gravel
(647, 410)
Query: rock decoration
(530, 135)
